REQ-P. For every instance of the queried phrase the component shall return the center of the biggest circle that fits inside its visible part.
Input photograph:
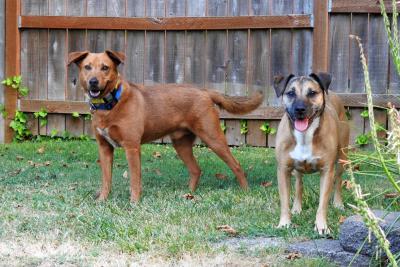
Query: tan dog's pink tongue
(301, 125)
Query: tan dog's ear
(117, 57)
(76, 57)
(323, 79)
(280, 84)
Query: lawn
(48, 214)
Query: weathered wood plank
(378, 58)
(175, 57)
(255, 137)
(57, 8)
(271, 138)
(2, 65)
(35, 7)
(195, 8)
(170, 23)
(154, 58)
(56, 65)
(282, 7)
(55, 122)
(135, 8)
(217, 8)
(115, 40)
(394, 77)
(359, 6)
(176, 8)
(76, 42)
(194, 57)
(302, 52)
(75, 126)
(238, 61)
(96, 39)
(238, 8)
(320, 36)
(356, 74)
(134, 63)
(303, 7)
(32, 124)
(232, 133)
(155, 8)
(76, 7)
(356, 124)
(339, 52)
(216, 63)
(116, 8)
(96, 8)
(259, 62)
(259, 7)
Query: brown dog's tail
(237, 104)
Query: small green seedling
(243, 127)
(267, 129)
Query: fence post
(321, 35)
(12, 62)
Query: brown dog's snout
(93, 82)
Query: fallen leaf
(19, 157)
(347, 184)
(293, 256)
(392, 195)
(342, 219)
(125, 174)
(221, 176)
(188, 196)
(227, 229)
(40, 150)
(156, 155)
(47, 163)
(158, 172)
(266, 184)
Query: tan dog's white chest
(302, 154)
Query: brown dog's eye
(311, 93)
(105, 68)
(88, 67)
(291, 94)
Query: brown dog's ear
(117, 57)
(323, 79)
(280, 83)
(76, 57)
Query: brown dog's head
(98, 73)
(303, 96)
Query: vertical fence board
(176, 8)
(238, 8)
(272, 137)
(2, 73)
(175, 57)
(76, 8)
(282, 7)
(135, 8)
(237, 66)
(76, 42)
(232, 133)
(255, 137)
(154, 57)
(303, 7)
(378, 57)
(259, 7)
(302, 52)
(394, 82)
(134, 63)
(194, 58)
(34, 7)
(339, 52)
(115, 8)
(281, 46)
(57, 8)
(155, 8)
(358, 27)
(217, 8)
(195, 8)
(216, 64)
(97, 8)
(356, 124)
(74, 126)
(96, 38)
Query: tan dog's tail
(237, 104)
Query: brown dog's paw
(100, 197)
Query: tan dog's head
(98, 73)
(303, 97)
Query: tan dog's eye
(311, 93)
(105, 68)
(88, 67)
(291, 94)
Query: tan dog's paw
(338, 205)
(296, 209)
(284, 223)
(322, 228)
(100, 197)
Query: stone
(331, 250)
(353, 233)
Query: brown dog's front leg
(326, 185)
(133, 158)
(284, 191)
(106, 154)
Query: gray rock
(331, 250)
(354, 233)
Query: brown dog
(311, 137)
(127, 115)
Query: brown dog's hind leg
(184, 148)
(106, 155)
(209, 130)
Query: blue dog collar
(107, 102)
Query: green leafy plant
(3, 111)
(243, 127)
(363, 139)
(53, 133)
(84, 137)
(88, 117)
(42, 116)
(75, 114)
(19, 126)
(66, 135)
(364, 113)
(222, 125)
(16, 83)
(267, 129)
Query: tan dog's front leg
(298, 197)
(133, 158)
(284, 192)
(326, 185)
(106, 154)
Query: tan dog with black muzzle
(312, 135)
(127, 115)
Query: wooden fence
(233, 46)
(2, 14)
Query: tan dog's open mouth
(301, 125)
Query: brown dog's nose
(93, 82)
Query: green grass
(55, 204)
